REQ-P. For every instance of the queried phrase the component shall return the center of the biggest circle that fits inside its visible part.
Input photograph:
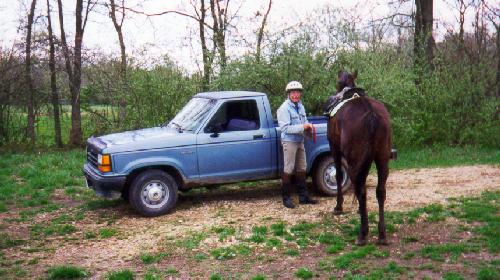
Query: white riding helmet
(293, 85)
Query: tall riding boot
(303, 194)
(285, 190)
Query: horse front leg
(382, 174)
(337, 158)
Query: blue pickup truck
(217, 138)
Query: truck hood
(143, 139)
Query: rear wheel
(324, 177)
(153, 193)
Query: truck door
(235, 144)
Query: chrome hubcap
(329, 177)
(154, 194)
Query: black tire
(324, 177)
(153, 193)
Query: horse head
(346, 79)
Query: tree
(118, 27)
(220, 24)
(123, 65)
(53, 81)
(423, 40)
(260, 34)
(29, 81)
(74, 67)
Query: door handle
(258, 136)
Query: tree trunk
(74, 73)
(53, 82)
(461, 40)
(204, 48)
(423, 39)
(497, 27)
(76, 116)
(123, 65)
(29, 81)
(118, 28)
(219, 28)
(260, 34)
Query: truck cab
(217, 138)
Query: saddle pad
(336, 108)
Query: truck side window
(238, 115)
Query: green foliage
(66, 272)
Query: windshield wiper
(178, 126)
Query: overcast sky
(168, 34)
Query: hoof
(383, 242)
(360, 242)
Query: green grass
(193, 241)
(66, 272)
(347, 260)
(442, 156)
(224, 253)
(6, 241)
(38, 230)
(259, 277)
(148, 258)
(107, 232)
(304, 273)
(29, 179)
(278, 229)
(453, 276)
(488, 273)
(215, 276)
(224, 232)
(437, 252)
(292, 252)
(123, 274)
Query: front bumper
(109, 187)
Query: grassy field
(44, 193)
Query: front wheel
(153, 193)
(324, 177)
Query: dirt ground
(230, 205)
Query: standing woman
(293, 124)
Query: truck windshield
(193, 114)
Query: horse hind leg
(337, 157)
(382, 174)
(359, 183)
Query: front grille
(92, 155)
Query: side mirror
(216, 129)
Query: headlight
(104, 162)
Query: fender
(155, 161)
(325, 148)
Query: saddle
(335, 102)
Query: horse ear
(355, 74)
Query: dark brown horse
(360, 132)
